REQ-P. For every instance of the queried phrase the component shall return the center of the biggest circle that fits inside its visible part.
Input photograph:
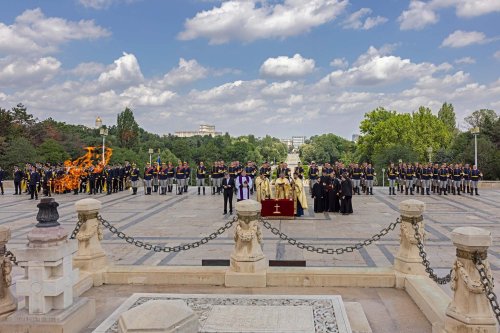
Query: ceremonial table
(278, 209)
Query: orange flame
(81, 166)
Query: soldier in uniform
(457, 179)
(426, 174)
(187, 170)
(109, 175)
(170, 176)
(475, 175)
(148, 178)
(369, 172)
(2, 175)
(155, 182)
(47, 179)
(18, 177)
(180, 176)
(418, 177)
(299, 169)
(313, 174)
(466, 179)
(126, 175)
(134, 178)
(392, 173)
(251, 170)
(408, 173)
(356, 178)
(435, 178)
(265, 170)
(443, 179)
(201, 171)
(162, 178)
(214, 173)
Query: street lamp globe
(151, 150)
(98, 122)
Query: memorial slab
(250, 313)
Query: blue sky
(280, 67)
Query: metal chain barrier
(488, 285)
(158, 248)
(79, 224)
(321, 250)
(421, 251)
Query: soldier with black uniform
(47, 179)
(162, 178)
(313, 174)
(180, 176)
(426, 174)
(299, 170)
(369, 172)
(201, 171)
(148, 178)
(33, 183)
(265, 170)
(392, 173)
(443, 179)
(356, 174)
(251, 170)
(187, 171)
(155, 181)
(109, 176)
(214, 173)
(134, 178)
(170, 176)
(475, 175)
(466, 178)
(457, 179)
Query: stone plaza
(176, 220)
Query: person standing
(457, 179)
(243, 184)
(162, 178)
(148, 178)
(170, 176)
(426, 178)
(265, 170)
(392, 173)
(2, 175)
(134, 178)
(317, 195)
(333, 195)
(282, 187)
(251, 170)
(346, 195)
(313, 174)
(228, 190)
(369, 172)
(475, 175)
(180, 177)
(443, 178)
(214, 174)
(200, 177)
(187, 172)
(299, 197)
(356, 174)
(263, 188)
(18, 178)
(34, 182)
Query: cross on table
(277, 209)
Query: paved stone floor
(172, 220)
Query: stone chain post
(470, 310)
(248, 263)
(8, 303)
(90, 256)
(408, 260)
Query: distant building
(204, 130)
(287, 142)
(355, 138)
(298, 141)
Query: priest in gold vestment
(299, 196)
(263, 188)
(282, 188)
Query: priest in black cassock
(326, 184)
(318, 196)
(333, 195)
(345, 195)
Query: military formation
(440, 179)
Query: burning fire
(81, 166)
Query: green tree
(52, 151)
(19, 151)
(481, 118)
(447, 115)
(127, 129)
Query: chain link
(421, 251)
(77, 227)
(158, 248)
(488, 285)
(321, 250)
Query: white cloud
(86, 69)
(461, 38)
(375, 68)
(465, 60)
(339, 63)
(146, 96)
(21, 72)
(417, 16)
(355, 20)
(496, 55)
(250, 20)
(284, 66)
(186, 72)
(34, 33)
(126, 70)
(280, 88)
(96, 4)
(421, 14)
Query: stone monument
(470, 311)
(248, 263)
(407, 260)
(49, 278)
(90, 257)
(7, 301)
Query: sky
(279, 67)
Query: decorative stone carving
(7, 301)
(407, 260)
(469, 310)
(248, 263)
(90, 257)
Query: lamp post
(103, 131)
(151, 151)
(475, 132)
(429, 151)
(383, 177)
